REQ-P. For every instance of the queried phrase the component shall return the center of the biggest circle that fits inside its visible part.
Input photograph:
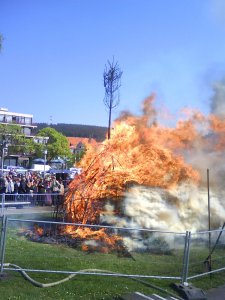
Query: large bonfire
(142, 153)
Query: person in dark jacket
(16, 185)
(22, 187)
(41, 190)
(2, 185)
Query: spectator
(16, 185)
(9, 188)
(61, 187)
(55, 187)
(22, 187)
(41, 190)
(2, 185)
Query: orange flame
(103, 241)
(140, 152)
(38, 230)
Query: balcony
(19, 122)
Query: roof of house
(74, 141)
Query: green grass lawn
(33, 255)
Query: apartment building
(25, 121)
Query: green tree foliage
(12, 138)
(13, 131)
(32, 148)
(57, 145)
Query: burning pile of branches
(143, 153)
(135, 154)
(144, 158)
(87, 239)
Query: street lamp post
(45, 156)
(2, 160)
(4, 150)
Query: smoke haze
(218, 99)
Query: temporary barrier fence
(108, 250)
(28, 200)
(91, 249)
(206, 253)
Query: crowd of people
(33, 184)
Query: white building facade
(25, 121)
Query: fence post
(186, 257)
(1, 236)
(2, 204)
(3, 241)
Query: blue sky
(54, 54)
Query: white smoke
(218, 99)
(176, 211)
(184, 208)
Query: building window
(28, 120)
(27, 131)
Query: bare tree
(112, 82)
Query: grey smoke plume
(218, 99)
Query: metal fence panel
(59, 247)
(207, 253)
(32, 203)
(69, 248)
(32, 199)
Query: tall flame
(141, 152)
(149, 175)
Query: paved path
(216, 293)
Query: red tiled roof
(73, 141)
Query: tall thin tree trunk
(109, 125)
